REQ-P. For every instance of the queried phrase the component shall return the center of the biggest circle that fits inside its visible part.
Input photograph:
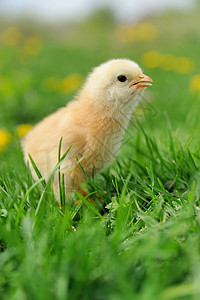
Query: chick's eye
(122, 78)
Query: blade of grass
(49, 177)
(89, 204)
(91, 182)
(39, 175)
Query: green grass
(143, 242)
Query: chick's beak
(144, 81)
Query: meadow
(141, 238)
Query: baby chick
(93, 124)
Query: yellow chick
(93, 124)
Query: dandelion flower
(71, 83)
(184, 65)
(135, 33)
(5, 139)
(146, 32)
(168, 62)
(23, 129)
(152, 59)
(11, 36)
(195, 83)
(125, 33)
(33, 46)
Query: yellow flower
(184, 65)
(195, 83)
(125, 33)
(11, 36)
(23, 129)
(5, 139)
(146, 32)
(68, 85)
(71, 83)
(152, 59)
(33, 46)
(135, 33)
(168, 62)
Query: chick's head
(116, 82)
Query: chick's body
(93, 124)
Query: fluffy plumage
(93, 124)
